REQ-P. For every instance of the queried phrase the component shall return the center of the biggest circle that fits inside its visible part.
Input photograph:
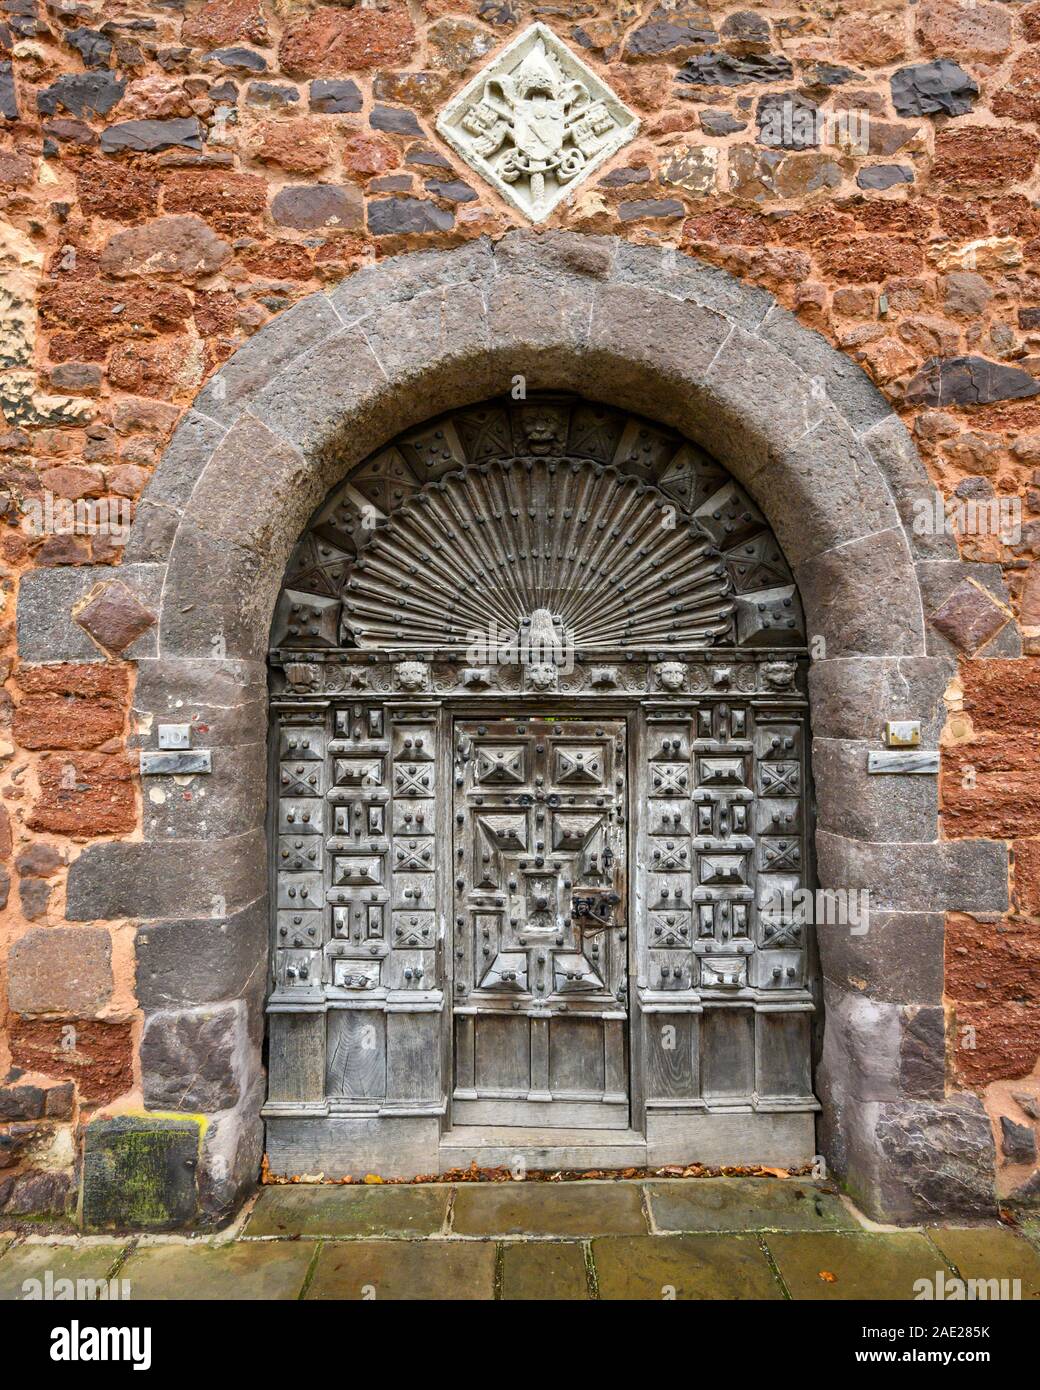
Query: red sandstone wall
(130, 274)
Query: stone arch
(795, 422)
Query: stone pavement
(710, 1238)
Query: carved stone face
(779, 675)
(302, 676)
(671, 675)
(541, 676)
(412, 675)
(542, 431)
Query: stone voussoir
(172, 483)
(684, 277)
(261, 358)
(913, 492)
(399, 278)
(218, 598)
(840, 589)
(841, 379)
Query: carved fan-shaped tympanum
(569, 513)
(608, 558)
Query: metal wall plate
(904, 760)
(175, 763)
(174, 735)
(903, 733)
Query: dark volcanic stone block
(149, 136)
(927, 88)
(82, 93)
(725, 70)
(969, 380)
(140, 1172)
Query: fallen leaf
(373, 1177)
(828, 1277)
(775, 1172)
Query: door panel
(541, 939)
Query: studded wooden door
(541, 939)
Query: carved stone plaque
(536, 122)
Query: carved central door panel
(540, 922)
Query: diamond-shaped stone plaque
(536, 122)
(113, 617)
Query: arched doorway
(795, 423)
(539, 742)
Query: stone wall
(175, 175)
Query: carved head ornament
(671, 675)
(541, 676)
(412, 675)
(779, 675)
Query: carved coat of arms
(536, 120)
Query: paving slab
(839, 1265)
(349, 1211)
(404, 1269)
(89, 1263)
(544, 1270)
(746, 1204)
(549, 1209)
(270, 1269)
(683, 1267)
(990, 1252)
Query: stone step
(513, 1146)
